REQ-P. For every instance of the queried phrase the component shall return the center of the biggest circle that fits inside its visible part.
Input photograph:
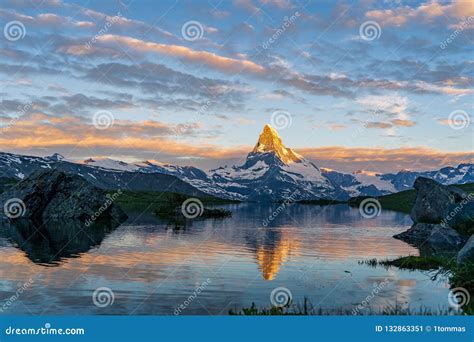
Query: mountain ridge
(271, 172)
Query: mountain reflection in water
(49, 243)
(152, 266)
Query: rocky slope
(51, 195)
(19, 167)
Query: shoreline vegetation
(308, 309)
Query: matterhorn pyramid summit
(270, 141)
(273, 171)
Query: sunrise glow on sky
(202, 97)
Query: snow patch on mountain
(112, 164)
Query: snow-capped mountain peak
(274, 172)
(270, 141)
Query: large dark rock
(435, 237)
(444, 238)
(439, 212)
(466, 254)
(434, 201)
(417, 234)
(54, 194)
(461, 216)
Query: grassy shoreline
(308, 309)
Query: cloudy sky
(373, 85)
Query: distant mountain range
(271, 172)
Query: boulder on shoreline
(466, 254)
(441, 214)
(434, 201)
(461, 216)
(53, 194)
(437, 237)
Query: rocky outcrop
(437, 213)
(433, 200)
(466, 254)
(444, 238)
(418, 233)
(461, 216)
(436, 237)
(54, 194)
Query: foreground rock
(461, 216)
(441, 216)
(434, 201)
(437, 237)
(54, 194)
(466, 254)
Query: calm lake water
(154, 268)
